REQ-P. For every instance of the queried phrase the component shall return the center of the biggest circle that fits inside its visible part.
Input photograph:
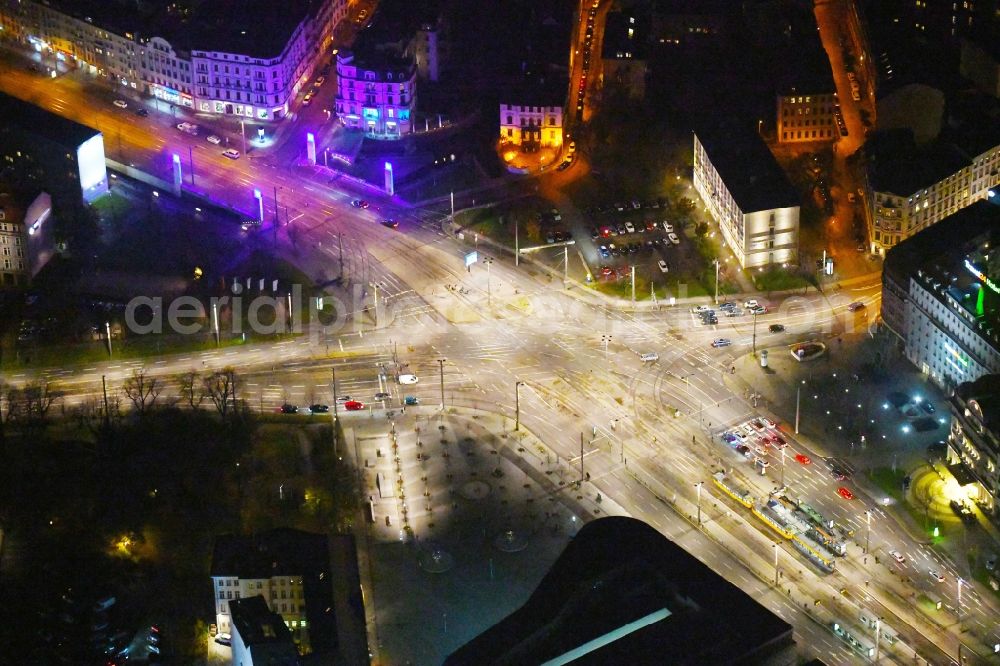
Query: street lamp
(775, 564)
(517, 405)
(605, 340)
(960, 582)
(698, 486)
(868, 532)
(716, 280)
(489, 293)
(441, 363)
(783, 465)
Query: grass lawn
(777, 279)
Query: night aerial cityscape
(516, 332)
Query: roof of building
(619, 579)
(255, 28)
(17, 115)
(948, 257)
(899, 166)
(263, 632)
(382, 61)
(397, 21)
(277, 552)
(798, 62)
(747, 167)
(973, 122)
(986, 392)
(625, 35)
(695, 7)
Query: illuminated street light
(698, 486)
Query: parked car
(188, 128)
(667, 227)
(629, 227)
(674, 239)
(411, 400)
(211, 138)
(408, 379)
(663, 265)
(382, 395)
(121, 104)
(224, 639)
(927, 407)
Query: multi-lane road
(578, 357)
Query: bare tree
(37, 398)
(142, 390)
(220, 387)
(192, 390)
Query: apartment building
(26, 238)
(803, 118)
(376, 92)
(248, 60)
(290, 569)
(941, 296)
(914, 187)
(259, 636)
(624, 53)
(748, 194)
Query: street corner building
(747, 193)
(622, 593)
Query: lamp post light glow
(517, 405)
(698, 486)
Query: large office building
(917, 185)
(290, 569)
(622, 593)
(748, 194)
(246, 58)
(941, 296)
(41, 151)
(376, 92)
(974, 440)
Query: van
(649, 357)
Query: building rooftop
(625, 36)
(263, 632)
(748, 168)
(382, 61)
(22, 117)
(255, 28)
(951, 258)
(899, 166)
(277, 552)
(695, 7)
(985, 391)
(621, 592)
(972, 122)
(549, 91)
(396, 21)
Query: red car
(804, 459)
(845, 493)
(353, 405)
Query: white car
(898, 556)
(752, 303)
(629, 227)
(121, 104)
(721, 342)
(663, 266)
(213, 139)
(936, 576)
(700, 308)
(408, 379)
(674, 239)
(188, 127)
(231, 154)
(649, 357)
(667, 227)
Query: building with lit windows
(247, 59)
(376, 92)
(747, 193)
(915, 186)
(941, 296)
(26, 238)
(624, 53)
(531, 117)
(807, 118)
(290, 569)
(974, 440)
(42, 151)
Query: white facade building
(531, 122)
(897, 216)
(746, 192)
(376, 93)
(227, 72)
